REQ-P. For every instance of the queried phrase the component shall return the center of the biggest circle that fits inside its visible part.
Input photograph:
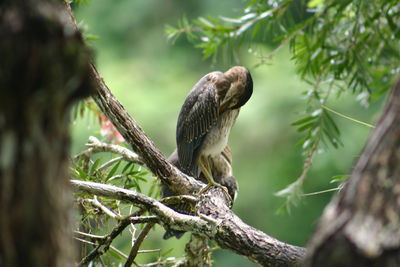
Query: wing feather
(198, 114)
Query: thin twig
(90, 235)
(96, 146)
(138, 242)
(149, 250)
(106, 210)
(119, 252)
(347, 117)
(104, 244)
(176, 262)
(111, 247)
(321, 192)
(108, 163)
(84, 241)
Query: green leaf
(339, 178)
(331, 123)
(113, 170)
(306, 126)
(114, 254)
(83, 175)
(314, 3)
(92, 37)
(95, 165)
(140, 178)
(169, 251)
(332, 140)
(304, 120)
(152, 187)
(127, 166)
(292, 193)
(204, 22)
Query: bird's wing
(199, 112)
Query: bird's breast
(217, 137)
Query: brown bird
(206, 118)
(221, 168)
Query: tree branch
(104, 242)
(167, 215)
(216, 222)
(136, 245)
(95, 146)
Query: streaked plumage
(207, 116)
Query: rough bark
(361, 226)
(232, 233)
(43, 68)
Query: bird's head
(240, 89)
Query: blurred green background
(152, 77)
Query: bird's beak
(226, 104)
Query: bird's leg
(206, 170)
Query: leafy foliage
(97, 214)
(338, 46)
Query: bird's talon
(226, 192)
(208, 186)
(204, 189)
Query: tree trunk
(361, 226)
(43, 68)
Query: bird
(221, 168)
(206, 118)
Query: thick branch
(361, 226)
(234, 234)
